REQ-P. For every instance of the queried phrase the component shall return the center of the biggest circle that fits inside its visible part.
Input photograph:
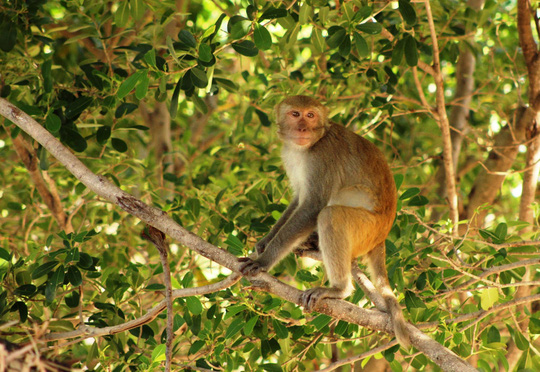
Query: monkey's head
(302, 120)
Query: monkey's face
(301, 126)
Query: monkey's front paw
(311, 297)
(250, 267)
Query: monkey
(344, 192)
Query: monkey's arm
(261, 244)
(294, 231)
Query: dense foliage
(98, 74)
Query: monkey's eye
(295, 114)
(310, 115)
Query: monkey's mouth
(301, 139)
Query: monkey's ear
(278, 109)
(324, 116)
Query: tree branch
(444, 125)
(86, 331)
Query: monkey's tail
(376, 260)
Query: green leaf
(306, 12)
(321, 321)
(227, 84)
(411, 51)
(78, 106)
(103, 134)
(409, 193)
(119, 145)
(235, 327)
(142, 87)
(407, 12)
(205, 53)
(187, 38)
(158, 354)
(235, 245)
(150, 57)
(238, 27)
(195, 347)
(345, 47)
(8, 30)
(74, 276)
(272, 367)
(250, 324)
(72, 300)
(20, 307)
(44, 269)
(262, 38)
(174, 100)
(501, 231)
(46, 73)
(306, 276)
(155, 287)
(5, 255)
(281, 331)
(129, 84)
(534, 326)
(317, 40)
(488, 297)
(121, 16)
(412, 301)
(273, 13)
(53, 123)
(372, 28)
(194, 305)
(397, 52)
(85, 261)
(361, 45)
(263, 117)
(336, 36)
(493, 335)
(25, 290)
(125, 108)
(521, 342)
(56, 279)
(418, 201)
(137, 9)
(246, 48)
(199, 77)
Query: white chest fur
(295, 166)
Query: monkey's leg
(376, 260)
(336, 248)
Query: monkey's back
(355, 162)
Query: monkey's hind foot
(310, 298)
(250, 267)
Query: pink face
(301, 126)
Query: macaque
(343, 190)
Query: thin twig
(444, 125)
(157, 238)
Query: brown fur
(345, 191)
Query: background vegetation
(172, 102)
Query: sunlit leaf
(262, 38)
(489, 297)
(372, 28)
(273, 13)
(205, 52)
